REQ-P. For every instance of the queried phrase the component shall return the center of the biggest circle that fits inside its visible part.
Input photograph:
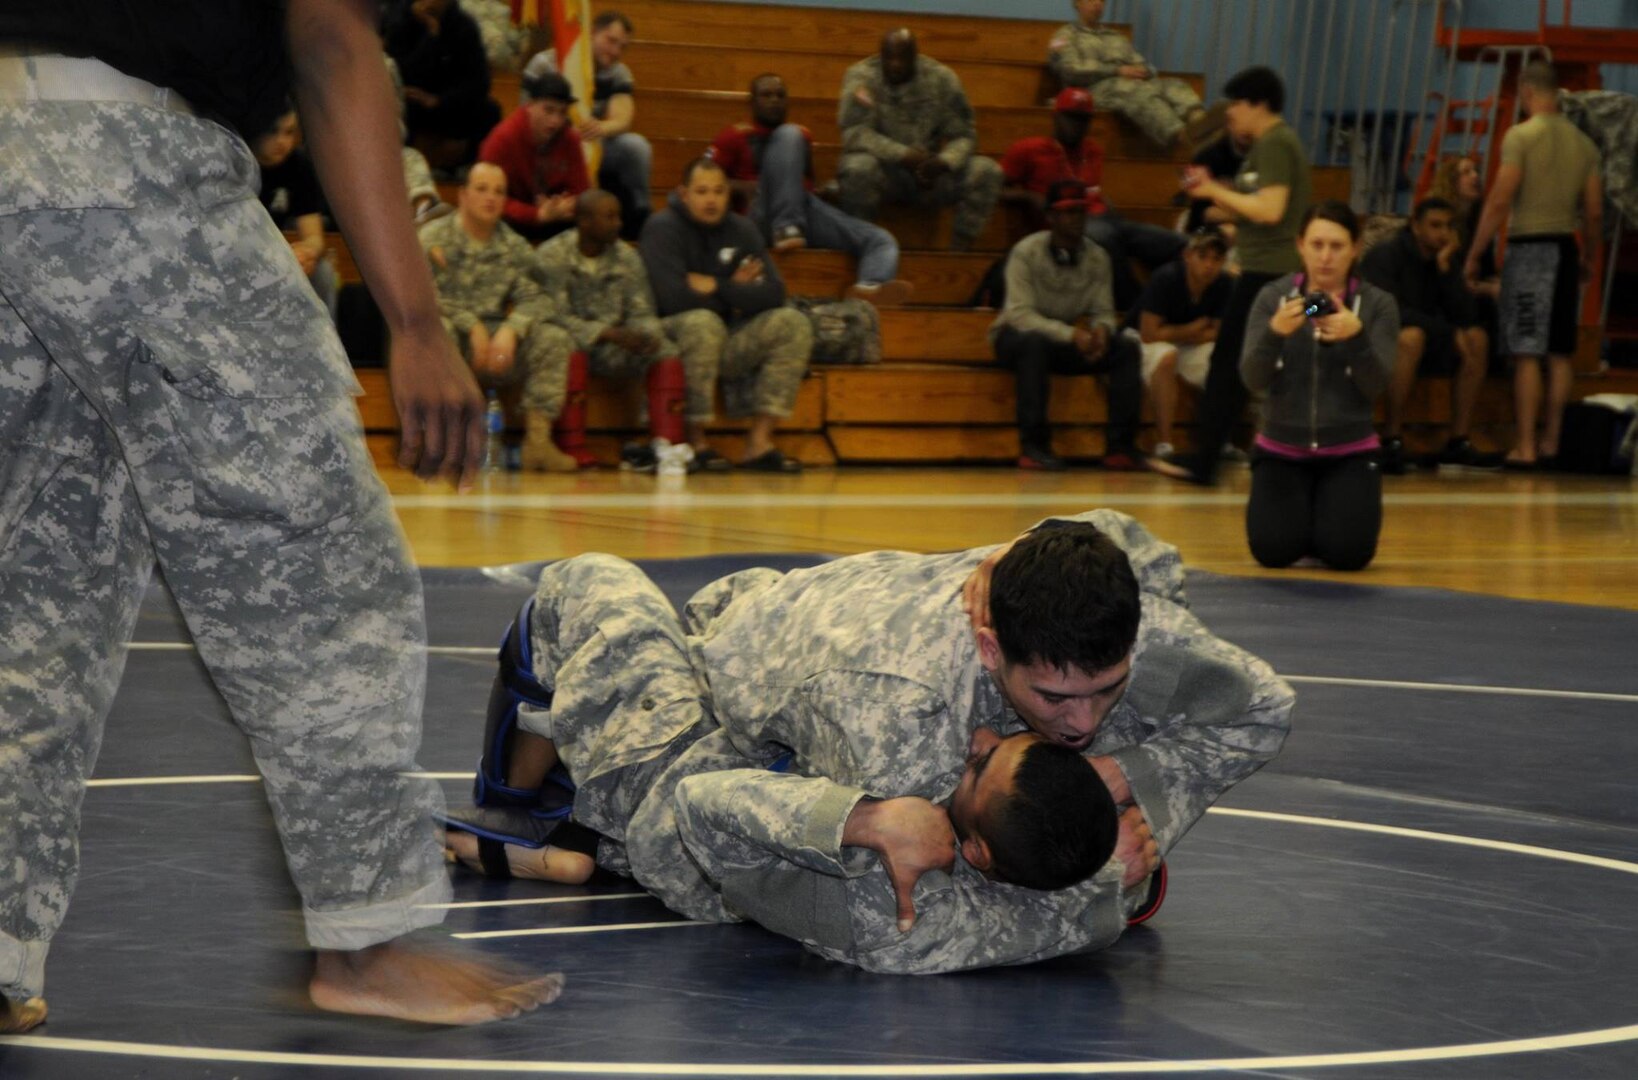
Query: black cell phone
(1318, 304)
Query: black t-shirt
(227, 57)
(290, 190)
(1167, 295)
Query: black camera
(1318, 304)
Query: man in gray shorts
(1548, 168)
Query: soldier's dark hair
(1259, 85)
(1065, 595)
(765, 75)
(607, 18)
(704, 161)
(1429, 205)
(1058, 826)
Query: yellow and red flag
(571, 41)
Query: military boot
(540, 453)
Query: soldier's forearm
(350, 119)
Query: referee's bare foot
(430, 984)
(17, 1017)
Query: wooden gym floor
(1566, 538)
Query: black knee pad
(515, 684)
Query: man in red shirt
(1033, 165)
(769, 163)
(541, 155)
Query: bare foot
(18, 1017)
(428, 984)
(531, 864)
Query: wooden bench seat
(843, 30)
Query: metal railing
(1365, 79)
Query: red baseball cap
(1073, 99)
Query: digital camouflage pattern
(589, 296)
(863, 674)
(626, 705)
(171, 389)
(1610, 119)
(1090, 56)
(496, 282)
(760, 363)
(865, 669)
(880, 123)
(844, 331)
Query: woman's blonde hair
(1445, 183)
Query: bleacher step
(844, 30)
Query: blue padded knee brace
(515, 684)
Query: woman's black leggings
(1330, 508)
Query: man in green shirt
(1548, 167)
(1265, 203)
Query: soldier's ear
(989, 649)
(977, 854)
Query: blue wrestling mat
(1438, 878)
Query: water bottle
(495, 424)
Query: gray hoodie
(1320, 394)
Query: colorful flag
(526, 12)
(571, 41)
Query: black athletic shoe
(1039, 458)
(1462, 454)
(1393, 456)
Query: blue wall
(1285, 46)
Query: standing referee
(172, 392)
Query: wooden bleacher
(938, 395)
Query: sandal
(772, 461)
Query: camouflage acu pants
(171, 390)
(866, 182)
(1157, 106)
(761, 363)
(541, 363)
(628, 716)
(696, 348)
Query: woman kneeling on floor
(1321, 345)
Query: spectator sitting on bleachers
(1102, 60)
(908, 136)
(1032, 165)
(1177, 319)
(1439, 331)
(503, 39)
(599, 293)
(717, 290)
(492, 304)
(1054, 279)
(291, 193)
(769, 163)
(1457, 182)
(541, 157)
(425, 202)
(446, 75)
(627, 156)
